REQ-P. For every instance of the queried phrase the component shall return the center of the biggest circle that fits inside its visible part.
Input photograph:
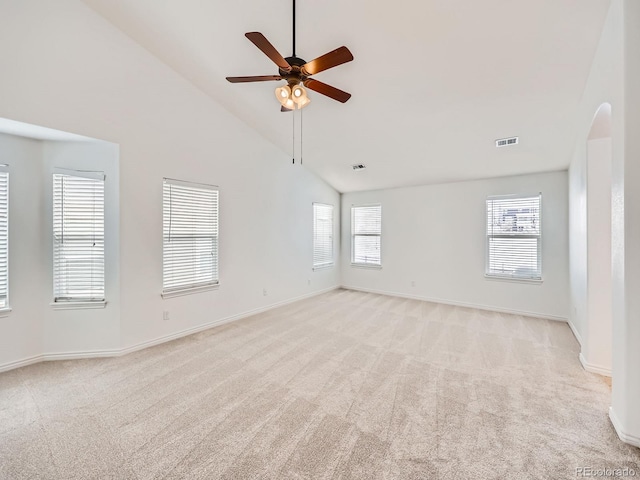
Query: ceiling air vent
(358, 166)
(505, 142)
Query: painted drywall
(21, 330)
(33, 327)
(599, 328)
(615, 80)
(604, 89)
(627, 279)
(80, 74)
(435, 236)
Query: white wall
(80, 74)
(604, 86)
(436, 236)
(33, 327)
(21, 330)
(578, 245)
(614, 79)
(597, 346)
(626, 239)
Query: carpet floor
(342, 385)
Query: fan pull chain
(301, 130)
(293, 138)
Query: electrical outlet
(165, 315)
(413, 283)
(264, 292)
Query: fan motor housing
(295, 76)
(295, 61)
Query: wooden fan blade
(260, 78)
(328, 90)
(285, 109)
(328, 60)
(269, 50)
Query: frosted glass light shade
(303, 102)
(300, 96)
(298, 91)
(292, 98)
(283, 94)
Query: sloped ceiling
(434, 82)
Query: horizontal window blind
(514, 237)
(322, 235)
(78, 237)
(366, 230)
(4, 237)
(190, 235)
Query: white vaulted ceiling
(434, 82)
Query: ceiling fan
(297, 72)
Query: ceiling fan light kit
(292, 98)
(297, 72)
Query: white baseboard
(460, 304)
(222, 321)
(575, 331)
(46, 357)
(51, 357)
(20, 363)
(590, 367)
(625, 437)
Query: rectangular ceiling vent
(505, 142)
(358, 166)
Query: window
(78, 236)
(513, 237)
(322, 235)
(366, 229)
(190, 236)
(4, 238)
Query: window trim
(79, 303)
(322, 266)
(180, 292)
(203, 287)
(373, 266)
(513, 278)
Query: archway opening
(596, 353)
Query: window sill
(4, 312)
(500, 278)
(367, 265)
(323, 267)
(78, 305)
(189, 291)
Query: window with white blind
(190, 236)
(514, 237)
(4, 237)
(366, 230)
(322, 235)
(78, 236)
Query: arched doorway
(596, 354)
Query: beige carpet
(343, 385)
